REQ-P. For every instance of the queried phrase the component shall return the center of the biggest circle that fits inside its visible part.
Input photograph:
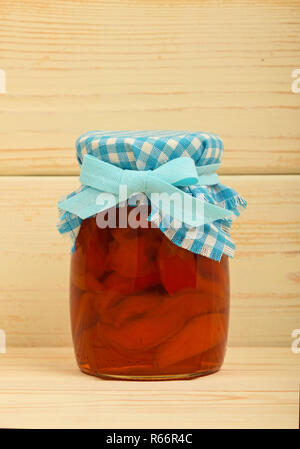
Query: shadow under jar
(143, 308)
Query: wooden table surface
(42, 388)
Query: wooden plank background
(219, 66)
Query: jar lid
(148, 150)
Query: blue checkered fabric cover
(147, 150)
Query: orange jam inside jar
(143, 308)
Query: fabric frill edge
(200, 246)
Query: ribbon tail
(213, 213)
(184, 208)
(88, 202)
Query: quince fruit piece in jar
(129, 286)
(162, 318)
(89, 259)
(130, 308)
(132, 258)
(142, 332)
(200, 334)
(213, 270)
(177, 267)
(83, 313)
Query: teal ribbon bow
(102, 183)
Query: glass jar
(143, 308)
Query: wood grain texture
(219, 66)
(34, 262)
(257, 388)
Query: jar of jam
(144, 308)
(149, 299)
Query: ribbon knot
(161, 185)
(135, 181)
